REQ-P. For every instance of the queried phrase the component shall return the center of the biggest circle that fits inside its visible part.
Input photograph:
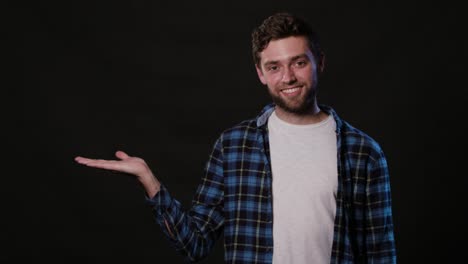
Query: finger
(91, 162)
(106, 164)
(82, 160)
(121, 155)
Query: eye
(301, 63)
(272, 68)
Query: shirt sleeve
(194, 232)
(380, 242)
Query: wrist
(151, 185)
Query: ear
(321, 66)
(260, 75)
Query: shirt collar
(262, 118)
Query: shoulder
(358, 141)
(352, 137)
(246, 129)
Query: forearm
(194, 232)
(191, 233)
(380, 241)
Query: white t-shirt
(305, 180)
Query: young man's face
(288, 68)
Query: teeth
(291, 90)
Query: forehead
(285, 49)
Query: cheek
(306, 74)
(272, 85)
(273, 79)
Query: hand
(127, 164)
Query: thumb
(121, 155)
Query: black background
(161, 80)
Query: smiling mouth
(291, 91)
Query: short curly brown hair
(283, 25)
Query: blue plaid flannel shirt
(235, 197)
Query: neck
(314, 115)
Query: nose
(289, 76)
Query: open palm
(125, 163)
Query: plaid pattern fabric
(235, 197)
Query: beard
(299, 106)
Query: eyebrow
(273, 62)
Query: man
(297, 184)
